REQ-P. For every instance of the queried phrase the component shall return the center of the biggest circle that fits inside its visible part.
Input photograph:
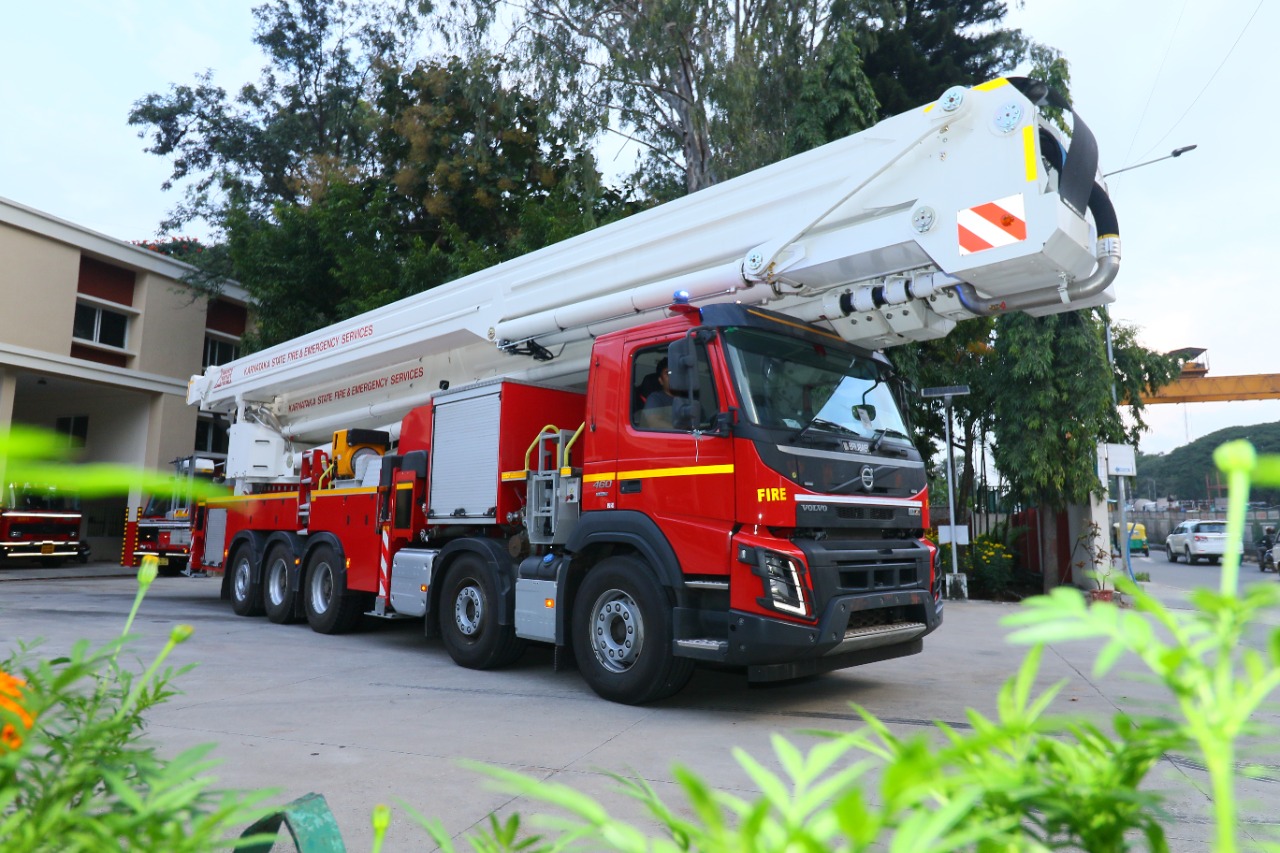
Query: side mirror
(682, 361)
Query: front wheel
(468, 610)
(623, 634)
(246, 596)
(1171, 554)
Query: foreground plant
(74, 773)
(1023, 781)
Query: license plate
(164, 561)
(46, 548)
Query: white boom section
(891, 219)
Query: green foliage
(914, 50)
(990, 568)
(1182, 472)
(307, 114)
(1021, 780)
(709, 89)
(75, 774)
(1051, 404)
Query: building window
(211, 436)
(219, 351)
(100, 325)
(74, 427)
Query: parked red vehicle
(41, 523)
(164, 524)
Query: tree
(709, 89)
(914, 50)
(344, 179)
(308, 114)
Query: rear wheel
(276, 599)
(623, 634)
(246, 594)
(469, 605)
(1191, 561)
(331, 608)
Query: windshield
(160, 506)
(789, 383)
(41, 498)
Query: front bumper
(878, 600)
(44, 548)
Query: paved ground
(383, 716)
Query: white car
(1193, 540)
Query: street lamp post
(1123, 535)
(946, 392)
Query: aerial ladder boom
(971, 205)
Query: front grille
(862, 513)
(873, 576)
(40, 530)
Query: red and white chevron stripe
(991, 225)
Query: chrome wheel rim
(617, 631)
(321, 587)
(468, 610)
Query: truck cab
(780, 499)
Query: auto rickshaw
(1137, 538)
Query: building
(98, 338)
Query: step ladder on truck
(500, 457)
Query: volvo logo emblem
(868, 478)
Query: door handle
(630, 487)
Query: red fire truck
(669, 441)
(41, 523)
(164, 524)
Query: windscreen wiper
(880, 434)
(821, 424)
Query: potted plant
(1105, 590)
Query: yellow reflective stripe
(1029, 151)
(263, 497)
(804, 326)
(508, 476)
(329, 493)
(991, 84)
(649, 473)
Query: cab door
(669, 466)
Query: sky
(1147, 76)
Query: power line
(1208, 82)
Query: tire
(277, 601)
(468, 609)
(1191, 561)
(1170, 553)
(246, 593)
(330, 607)
(623, 634)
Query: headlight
(782, 586)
